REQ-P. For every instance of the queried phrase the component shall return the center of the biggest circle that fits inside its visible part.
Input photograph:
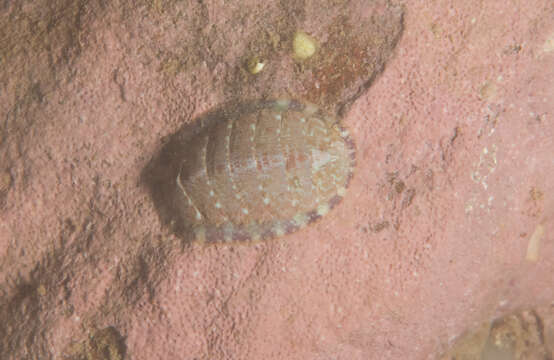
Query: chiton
(265, 172)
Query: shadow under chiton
(261, 172)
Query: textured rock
(526, 334)
(447, 223)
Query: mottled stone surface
(525, 334)
(447, 223)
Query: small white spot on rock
(322, 209)
(282, 103)
(278, 230)
(300, 219)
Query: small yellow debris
(5, 181)
(303, 45)
(533, 247)
(254, 65)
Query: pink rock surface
(449, 219)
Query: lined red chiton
(264, 173)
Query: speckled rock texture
(525, 334)
(448, 221)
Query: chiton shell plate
(263, 173)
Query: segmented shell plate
(265, 173)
